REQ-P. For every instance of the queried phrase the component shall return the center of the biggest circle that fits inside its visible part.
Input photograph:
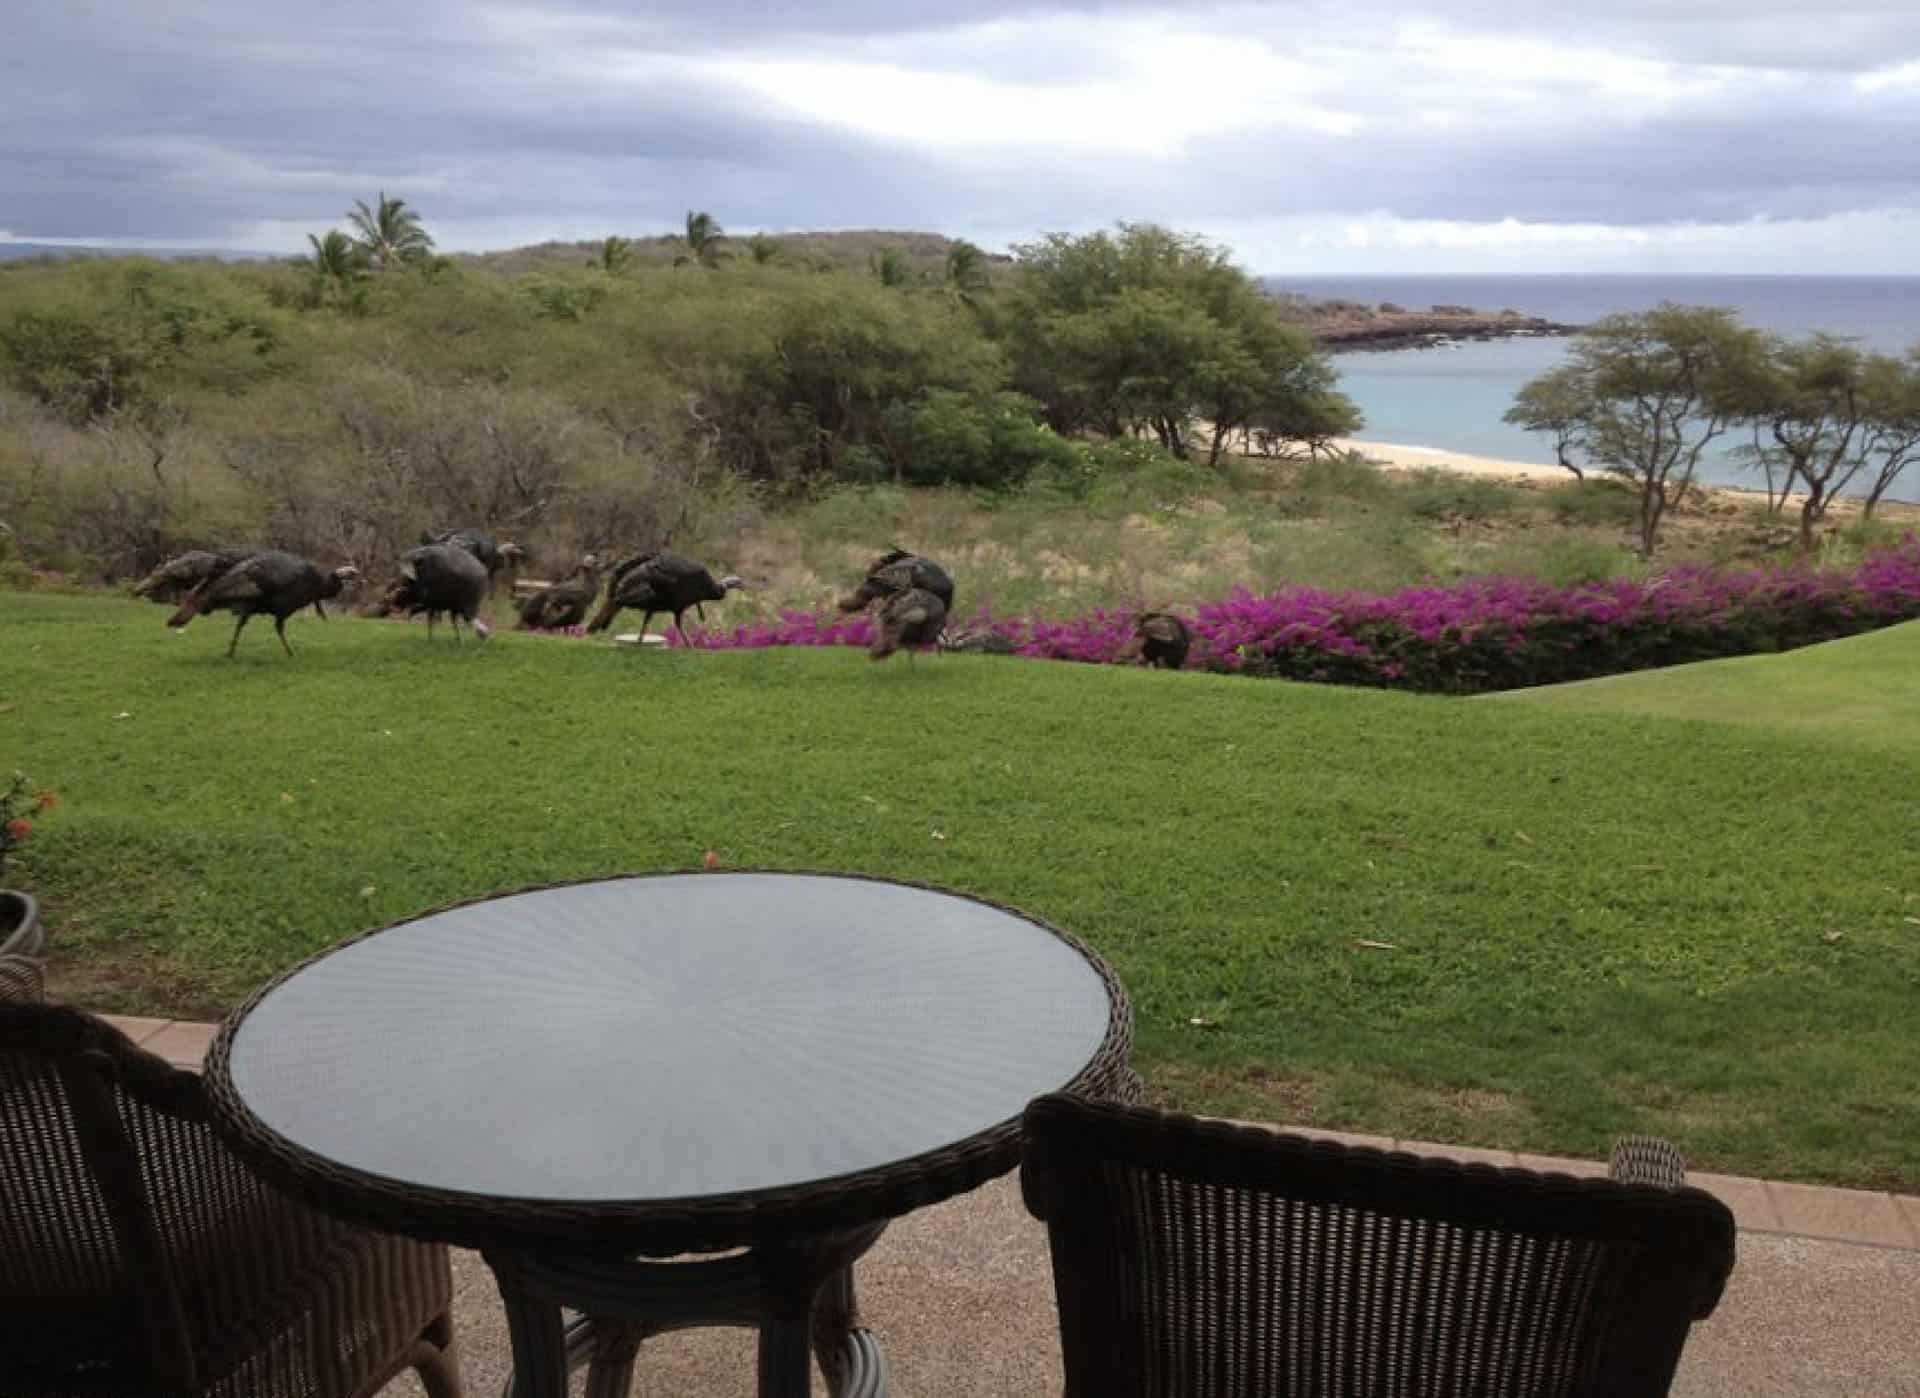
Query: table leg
(851, 1358)
(615, 1347)
(799, 1295)
(538, 1334)
(786, 1351)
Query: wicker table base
(799, 1296)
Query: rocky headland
(1347, 326)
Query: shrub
(1439, 495)
(1598, 501)
(995, 440)
(1474, 636)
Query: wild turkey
(494, 556)
(908, 621)
(1160, 639)
(565, 603)
(436, 578)
(660, 582)
(184, 572)
(895, 571)
(277, 584)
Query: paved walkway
(1824, 1300)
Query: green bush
(1581, 558)
(950, 438)
(1346, 476)
(1597, 501)
(1438, 495)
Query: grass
(1611, 924)
(1183, 537)
(1863, 691)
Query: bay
(1453, 397)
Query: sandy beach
(1412, 458)
(1400, 457)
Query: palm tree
(335, 258)
(390, 232)
(762, 248)
(890, 266)
(614, 257)
(967, 276)
(703, 240)
(337, 267)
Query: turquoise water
(1454, 397)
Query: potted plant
(20, 931)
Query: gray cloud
(143, 120)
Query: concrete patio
(1825, 1298)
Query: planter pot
(20, 930)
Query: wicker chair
(1198, 1259)
(21, 979)
(138, 1257)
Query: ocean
(1453, 397)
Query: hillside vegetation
(338, 405)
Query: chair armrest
(1647, 1160)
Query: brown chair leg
(436, 1361)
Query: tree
(336, 269)
(890, 267)
(763, 249)
(389, 233)
(614, 256)
(1553, 403)
(1644, 393)
(1892, 442)
(704, 241)
(967, 278)
(1811, 401)
(1152, 331)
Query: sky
(1342, 138)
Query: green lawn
(1862, 692)
(1597, 922)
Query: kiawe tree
(1555, 402)
(1643, 394)
(1892, 439)
(1809, 417)
(1147, 330)
(389, 233)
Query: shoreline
(1401, 456)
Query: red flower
(17, 829)
(44, 800)
(712, 861)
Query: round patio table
(748, 1072)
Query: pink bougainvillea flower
(18, 829)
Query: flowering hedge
(1464, 638)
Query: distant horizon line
(250, 254)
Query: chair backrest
(1198, 1259)
(87, 1295)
